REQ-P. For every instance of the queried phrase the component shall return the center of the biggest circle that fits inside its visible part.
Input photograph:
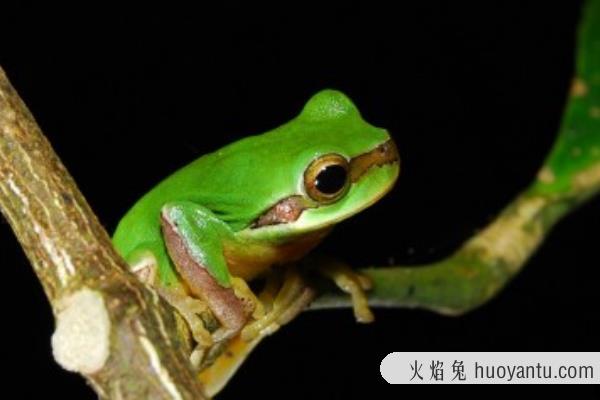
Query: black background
(472, 94)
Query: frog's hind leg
(283, 297)
(195, 312)
(144, 263)
(192, 237)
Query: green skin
(214, 200)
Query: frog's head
(335, 164)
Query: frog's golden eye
(326, 178)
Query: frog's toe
(194, 311)
(293, 296)
(353, 283)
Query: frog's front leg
(284, 296)
(349, 281)
(193, 237)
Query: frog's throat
(290, 208)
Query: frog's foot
(282, 302)
(194, 312)
(198, 317)
(251, 304)
(247, 296)
(352, 283)
(283, 297)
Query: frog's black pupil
(331, 179)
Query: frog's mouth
(290, 208)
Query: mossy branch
(109, 327)
(485, 263)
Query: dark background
(472, 94)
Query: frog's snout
(385, 153)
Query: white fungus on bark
(80, 342)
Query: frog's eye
(326, 178)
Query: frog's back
(240, 181)
(140, 225)
(214, 181)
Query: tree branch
(485, 263)
(109, 327)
